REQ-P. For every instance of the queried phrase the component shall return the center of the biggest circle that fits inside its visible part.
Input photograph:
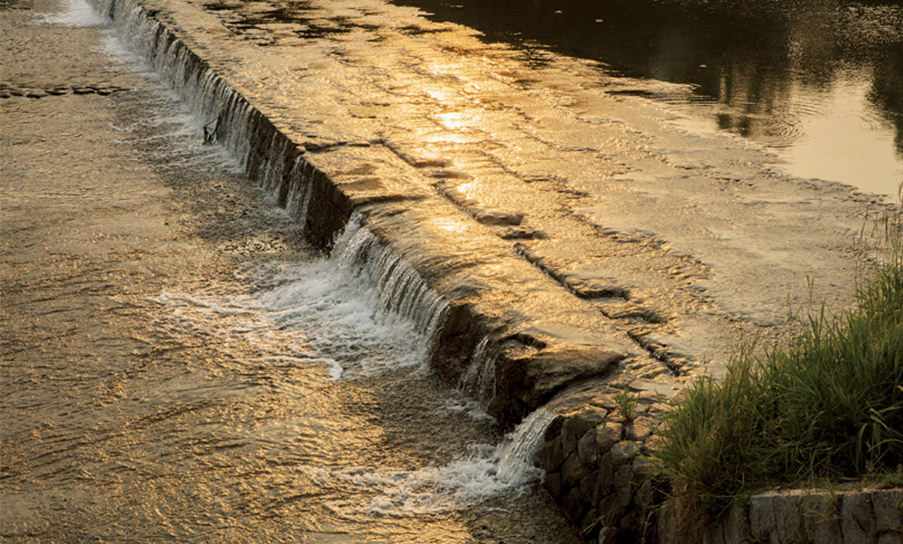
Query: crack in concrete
(573, 285)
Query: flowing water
(177, 366)
(820, 83)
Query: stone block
(644, 496)
(575, 505)
(761, 517)
(605, 477)
(552, 455)
(587, 450)
(607, 435)
(736, 525)
(588, 483)
(857, 519)
(788, 523)
(639, 429)
(624, 486)
(624, 451)
(576, 424)
(644, 468)
(553, 484)
(820, 517)
(571, 470)
(888, 507)
(609, 511)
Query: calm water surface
(820, 82)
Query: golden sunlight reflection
(457, 120)
(467, 189)
(450, 224)
(442, 94)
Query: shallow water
(177, 364)
(818, 82)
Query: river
(817, 82)
(178, 365)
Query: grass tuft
(829, 405)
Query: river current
(179, 366)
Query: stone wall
(596, 461)
(802, 516)
(597, 468)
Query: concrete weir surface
(518, 226)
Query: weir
(401, 289)
(429, 265)
(537, 339)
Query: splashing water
(488, 471)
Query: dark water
(818, 81)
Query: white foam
(76, 13)
(309, 311)
(461, 403)
(486, 472)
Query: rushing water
(188, 373)
(820, 82)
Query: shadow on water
(786, 74)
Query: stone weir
(515, 321)
(503, 320)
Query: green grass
(829, 405)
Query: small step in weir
(478, 381)
(265, 153)
(401, 289)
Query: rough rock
(587, 450)
(857, 519)
(624, 451)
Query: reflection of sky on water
(819, 81)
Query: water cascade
(401, 289)
(516, 455)
(265, 153)
(486, 472)
(359, 267)
(478, 381)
